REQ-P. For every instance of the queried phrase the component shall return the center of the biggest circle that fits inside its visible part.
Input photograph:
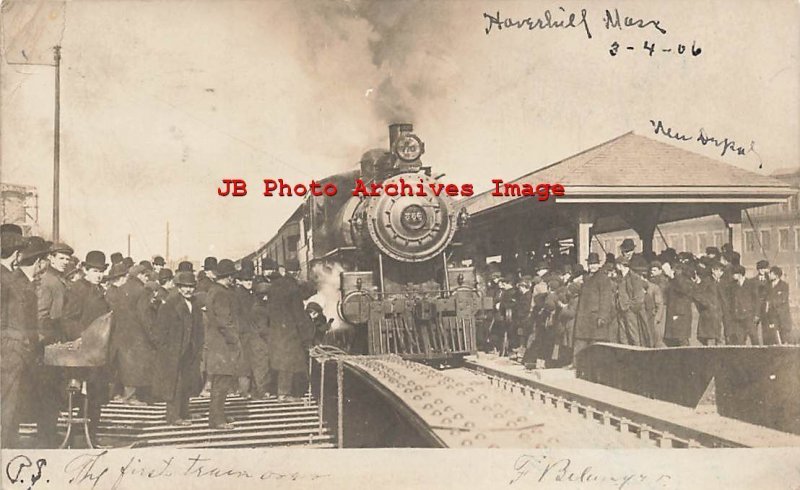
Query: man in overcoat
(222, 342)
(744, 307)
(633, 328)
(244, 300)
(291, 334)
(680, 292)
(179, 334)
(18, 334)
(85, 303)
(708, 298)
(595, 307)
(134, 349)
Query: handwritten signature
(560, 20)
(564, 470)
(17, 466)
(724, 144)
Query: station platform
(702, 425)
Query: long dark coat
(85, 302)
(133, 344)
(290, 330)
(179, 334)
(223, 346)
(257, 347)
(244, 304)
(596, 302)
(631, 314)
(679, 308)
(708, 299)
(743, 308)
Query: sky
(161, 100)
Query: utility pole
(167, 252)
(129, 245)
(57, 144)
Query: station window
(702, 242)
(797, 277)
(673, 241)
(688, 243)
(718, 240)
(797, 239)
(784, 239)
(749, 241)
(766, 240)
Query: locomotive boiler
(398, 289)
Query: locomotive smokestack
(396, 130)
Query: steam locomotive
(397, 289)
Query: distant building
(769, 232)
(19, 204)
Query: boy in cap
(778, 314)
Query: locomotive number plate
(413, 217)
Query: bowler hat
(9, 242)
(63, 248)
(210, 263)
(627, 245)
(37, 247)
(638, 263)
(656, 264)
(185, 278)
(594, 258)
(96, 259)
(116, 257)
(117, 270)
(11, 228)
(146, 264)
(712, 251)
(185, 267)
(738, 269)
(136, 270)
(165, 275)
(313, 306)
(159, 260)
(247, 265)
(128, 261)
(245, 274)
(225, 268)
(762, 264)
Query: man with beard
(85, 303)
(222, 341)
(179, 333)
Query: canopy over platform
(629, 182)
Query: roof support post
(584, 234)
(733, 219)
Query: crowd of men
(558, 308)
(174, 335)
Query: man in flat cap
(179, 332)
(222, 342)
(51, 300)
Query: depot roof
(636, 169)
